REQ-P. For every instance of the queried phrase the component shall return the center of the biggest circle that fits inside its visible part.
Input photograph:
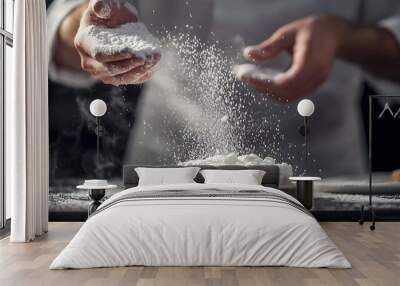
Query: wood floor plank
(375, 257)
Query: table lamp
(98, 108)
(306, 108)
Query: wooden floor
(375, 257)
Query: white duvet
(200, 231)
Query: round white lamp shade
(98, 108)
(305, 107)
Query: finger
(304, 71)
(280, 41)
(148, 62)
(121, 67)
(286, 86)
(101, 8)
(131, 77)
(145, 77)
(87, 63)
(123, 79)
(151, 61)
(155, 58)
(268, 87)
(112, 13)
(104, 8)
(135, 76)
(106, 58)
(98, 69)
(90, 65)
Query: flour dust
(228, 118)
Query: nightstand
(97, 190)
(304, 189)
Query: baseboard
(68, 216)
(382, 215)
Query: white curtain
(27, 124)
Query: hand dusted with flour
(133, 38)
(114, 47)
(249, 70)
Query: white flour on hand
(250, 70)
(133, 38)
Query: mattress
(201, 225)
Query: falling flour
(210, 111)
(224, 118)
(133, 38)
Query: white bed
(183, 230)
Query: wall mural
(172, 87)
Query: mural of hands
(119, 68)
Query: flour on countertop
(232, 159)
(133, 38)
(285, 170)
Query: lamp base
(95, 195)
(302, 130)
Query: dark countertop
(381, 182)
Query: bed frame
(270, 179)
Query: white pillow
(165, 176)
(248, 177)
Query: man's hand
(116, 69)
(314, 43)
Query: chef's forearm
(65, 53)
(372, 47)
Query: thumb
(272, 47)
(101, 8)
(112, 13)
